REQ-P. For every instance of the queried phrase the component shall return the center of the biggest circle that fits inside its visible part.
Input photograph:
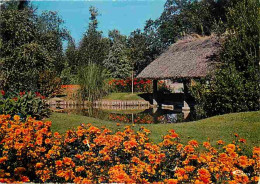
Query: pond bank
(247, 125)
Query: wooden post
(132, 81)
(185, 90)
(155, 92)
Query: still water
(132, 115)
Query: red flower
(15, 98)
(22, 93)
(3, 92)
(37, 94)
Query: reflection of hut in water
(187, 59)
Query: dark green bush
(234, 87)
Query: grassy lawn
(123, 96)
(247, 125)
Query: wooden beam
(155, 92)
(186, 106)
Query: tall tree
(31, 45)
(117, 61)
(93, 47)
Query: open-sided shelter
(193, 57)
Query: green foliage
(22, 69)
(93, 81)
(25, 104)
(235, 85)
(31, 44)
(49, 83)
(93, 47)
(117, 61)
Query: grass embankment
(247, 125)
(123, 96)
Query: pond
(133, 115)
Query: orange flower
(56, 135)
(3, 159)
(47, 141)
(79, 169)
(243, 161)
(206, 145)
(67, 161)
(230, 148)
(48, 123)
(189, 149)
(189, 168)
(220, 142)
(87, 181)
(16, 117)
(204, 175)
(171, 181)
(256, 151)
(193, 143)
(18, 131)
(39, 165)
(24, 179)
(58, 163)
(69, 175)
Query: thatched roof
(188, 58)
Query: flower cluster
(140, 85)
(31, 152)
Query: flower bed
(23, 103)
(140, 85)
(31, 152)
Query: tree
(235, 85)
(117, 61)
(31, 45)
(93, 47)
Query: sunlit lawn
(247, 125)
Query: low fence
(121, 103)
(99, 103)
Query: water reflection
(136, 116)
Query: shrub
(235, 84)
(24, 104)
(93, 82)
(31, 152)
(49, 83)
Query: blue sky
(124, 15)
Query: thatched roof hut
(192, 57)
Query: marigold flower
(16, 117)
(220, 142)
(193, 143)
(47, 141)
(24, 179)
(206, 144)
(79, 169)
(256, 150)
(171, 181)
(3, 159)
(39, 165)
(58, 163)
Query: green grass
(247, 125)
(123, 96)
